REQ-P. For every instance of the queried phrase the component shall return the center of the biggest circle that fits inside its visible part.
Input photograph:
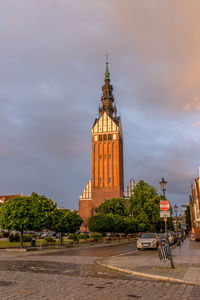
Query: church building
(107, 156)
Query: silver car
(147, 240)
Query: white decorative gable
(105, 124)
(86, 194)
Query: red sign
(164, 205)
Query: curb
(157, 277)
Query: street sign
(164, 205)
(164, 214)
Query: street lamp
(177, 236)
(163, 185)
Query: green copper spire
(107, 74)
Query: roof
(4, 198)
(115, 119)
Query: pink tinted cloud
(193, 105)
(196, 124)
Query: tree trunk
(21, 240)
(61, 238)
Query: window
(110, 179)
(100, 137)
(105, 137)
(109, 155)
(100, 156)
(100, 180)
(110, 137)
(105, 155)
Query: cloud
(196, 124)
(51, 73)
(193, 105)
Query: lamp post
(177, 236)
(163, 185)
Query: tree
(112, 223)
(116, 206)
(27, 213)
(144, 205)
(102, 223)
(66, 221)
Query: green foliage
(73, 236)
(101, 223)
(43, 212)
(95, 235)
(144, 204)
(27, 213)
(115, 206)
(14, 237)
(84, 236)
(112, 223)
(5, 234)
(49, 239)
(131, 225)
(27, 238)
(142, 227)
(66, 221)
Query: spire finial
(107, 74)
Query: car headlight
(139, 245)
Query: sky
(52, 64)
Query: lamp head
(163, 184)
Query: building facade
(195, 206)
(107, 156)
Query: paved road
(72, 274)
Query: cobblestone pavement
(72, 274)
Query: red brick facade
(107, 157)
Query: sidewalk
(186, 260)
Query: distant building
(130, 189)
(195, 205)
(4, 198)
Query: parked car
(45, 234)
(147, 240)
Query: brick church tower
(107, 156)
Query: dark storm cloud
(51, 72)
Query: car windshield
(148, 236)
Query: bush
(73, 236)
(49, 239)
(17, 237)
(14, 238)
(141, 227)
(27, 238)
(84, 236)
(11, 238)
(5, 234)
(1, 235)
(96, 235)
